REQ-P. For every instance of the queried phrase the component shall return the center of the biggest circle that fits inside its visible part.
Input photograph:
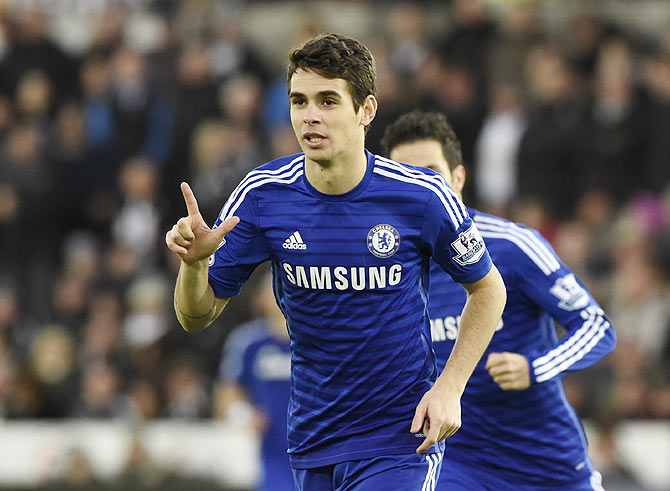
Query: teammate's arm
(439, 412)
(194, 241)
(559, 292)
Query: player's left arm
(554, 288)
(439, 412)
(459, 248)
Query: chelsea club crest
(383, 240)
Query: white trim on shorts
(430, 482)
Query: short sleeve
(243, 249)
(453, 239)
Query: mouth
(313, 140)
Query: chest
(303, 230)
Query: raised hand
(509, 370)
(191, 238)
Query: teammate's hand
(509, 370)
(438, 415)
(191, 238)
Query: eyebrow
(322, 94)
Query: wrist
(529, 359)
(196, 267)
(449, 382)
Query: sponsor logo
(383, 240)
(469, 246)
(295, 242)
(570, 294)
(343, 278)
(446, 328)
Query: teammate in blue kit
(349, 237)
(519, 432)
(256, 367)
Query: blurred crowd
(566, 130)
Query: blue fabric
(409, 472)
(161, 122)
(536, 430)
(261, 363)
(351, 276)
(100, 124)
(459, 476)
(276, 474)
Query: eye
(298, 102)
(329, 102)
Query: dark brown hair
(419, 125)
(337, 56)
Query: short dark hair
(337, 56)
(419, 125)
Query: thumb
(419, 416)
(226, 226)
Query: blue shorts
(413, 472)
(457, 476)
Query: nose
(312, 115)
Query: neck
(336, 176)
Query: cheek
(296, 122)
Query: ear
(369, 107)
(458, 176)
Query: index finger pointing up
(189, 198)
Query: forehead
(419, 152)
(308, 82)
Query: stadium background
(563, 109)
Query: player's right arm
(548, 285)
(194, 241)
(557, 290)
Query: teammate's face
(428, 153)
(324, 120)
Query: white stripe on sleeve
(455, 221)
(534, 248)
(255, 176)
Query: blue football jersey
(351, 276)
(261, 363)
(533, 436)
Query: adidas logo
(295, 242)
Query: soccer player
(256, 368)
(519, 432)
(349, 237)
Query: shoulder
(508, 241)
(281, 172)
(397, 170)
(284, 170)
(420, 181)
(280, 164)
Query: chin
(318, 156)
